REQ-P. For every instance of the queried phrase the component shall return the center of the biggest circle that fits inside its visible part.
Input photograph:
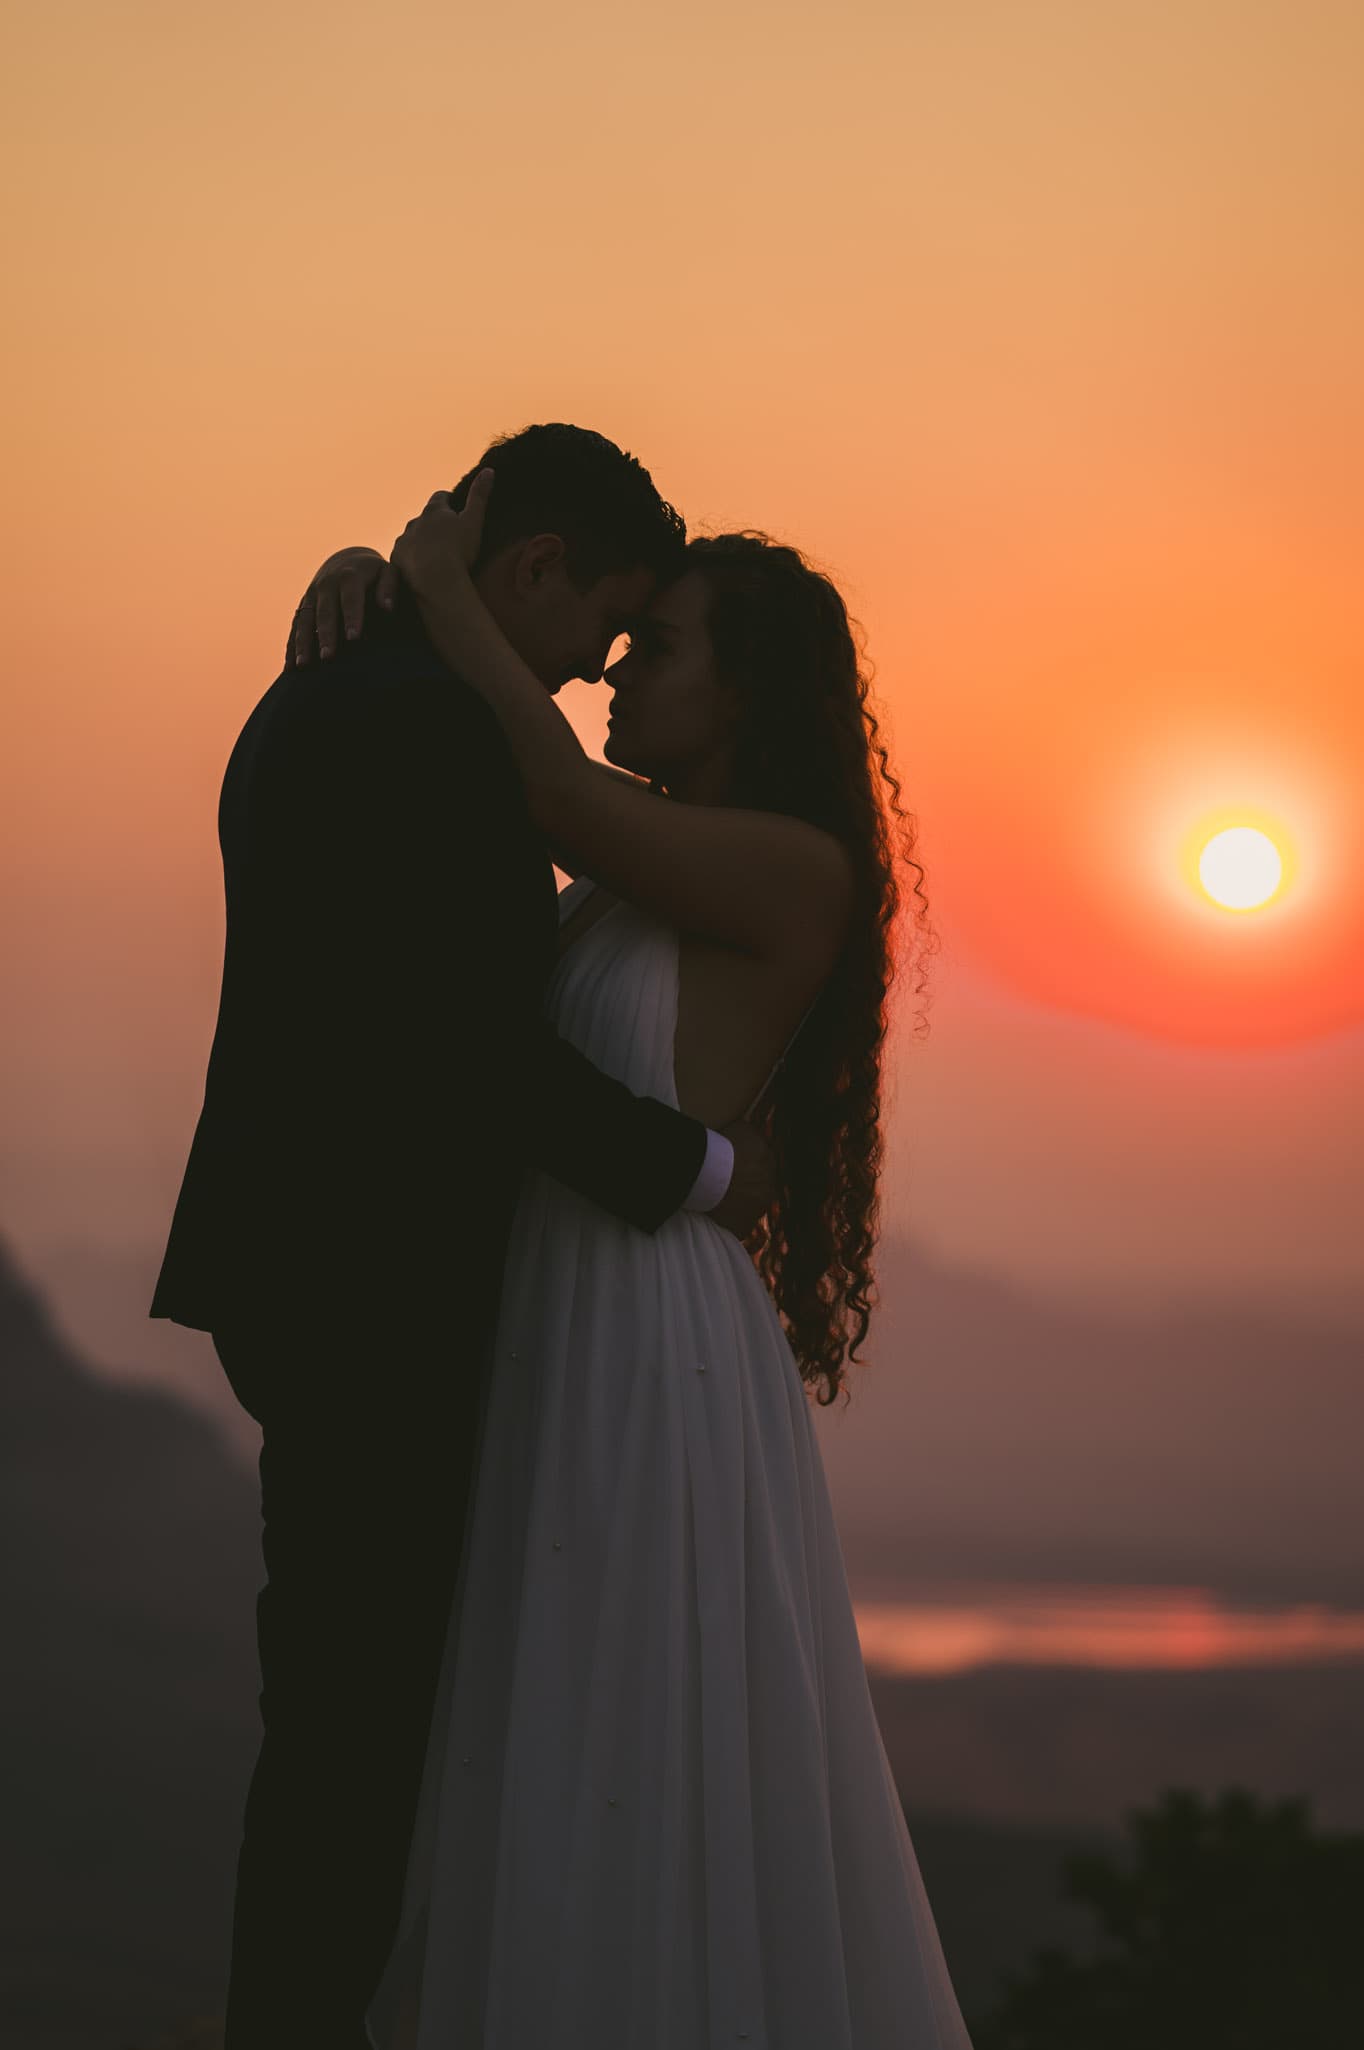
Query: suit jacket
(382, 1073)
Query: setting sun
(1240, 868)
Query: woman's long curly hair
(808, 744)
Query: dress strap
(781, 1062)
(573, 894)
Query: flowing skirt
(657, 1811)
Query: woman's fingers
(328, 616)
(352, 602)
(334, 602)
(471, 517)
(437, 540)
(402, 543)
(303, 627)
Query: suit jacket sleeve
(631, 1154)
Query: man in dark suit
(380, 1078)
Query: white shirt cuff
(716, 1170)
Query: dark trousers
(368, 1446)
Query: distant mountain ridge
(1000, 1434)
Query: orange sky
(1039, 327)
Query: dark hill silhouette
(128, 1575)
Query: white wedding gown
(657, 1812)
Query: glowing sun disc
(1240, 868)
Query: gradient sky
(1039, 327)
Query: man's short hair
(558, 479)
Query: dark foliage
(1233, 1926)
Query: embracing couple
(528, 1230)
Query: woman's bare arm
(753, 880)
(561, 856)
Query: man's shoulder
(374, 689)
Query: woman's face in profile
(671, 717)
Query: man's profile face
(583, 625)
(561, 632)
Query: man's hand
(753, 1185)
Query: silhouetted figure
(640, 1798)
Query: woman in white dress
(657, 1812)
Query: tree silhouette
(1233, 1927)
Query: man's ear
(535, 560)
